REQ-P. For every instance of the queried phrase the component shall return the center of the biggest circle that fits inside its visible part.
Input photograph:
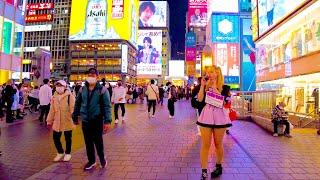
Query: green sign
(7, 37)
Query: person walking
(45, 94)
(8, 99)
(108, 85)
(172, 98)
(152, 96)
(212, 121)
(119, 99)
(161, 95)
(60, 120)
(94, 107)
(34, 99)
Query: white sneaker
(67, 157)
(58, 157)
(153, 116)
(123, 119)
(116, 121)
(275, 135)
(171, 117)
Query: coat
(60, 114)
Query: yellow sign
(97, 20)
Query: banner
(225, 28)
(153, 14)
(191, 54)
(191, 39)
(149, 56)
(117, 9)
(197, 13)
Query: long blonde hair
(218, 83)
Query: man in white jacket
(153, 96)
(45, 94)
(119, 99)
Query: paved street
(160, 148)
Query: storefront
(288, 53)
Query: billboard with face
(149, 58)
(153, 14)
(197, 13)
(102, 19)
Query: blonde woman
(212, 121)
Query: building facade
(11, 39)
(47, 27)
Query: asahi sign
(117, 9)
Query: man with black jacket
(7, 95)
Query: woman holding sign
(212, 121)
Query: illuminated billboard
(197, 13)
(93, 20)
(8, 31)
(225, 28)
(191, 39)
(149, 56)
(176, 68)
(153, 14)
(191, 53)
(271, 12)
(39, 6)
(225, 6)
(39, 18)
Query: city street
(161, 148)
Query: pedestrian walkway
(163, 148)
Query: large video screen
(153, 14)
(149, 56)
(7, 35)
(225, 28)
(197, 13)
(224, 6)
(272, 11)
(104, 19)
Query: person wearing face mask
(94, 107)
(45, 94)
(119, 99)
(60, 120)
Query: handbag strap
(154, 91)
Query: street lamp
(207, 58)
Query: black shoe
(19, 117)
(103, 164)
(227, 132)
(0, 153)
(217, 172)
(204, 176)
(89, 166)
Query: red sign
(197, 13)
(39, 18)
(117, 9)
(40, 6)
(226, 57)
(191, 54)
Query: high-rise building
(47, 27)
(103, 34)
(11, 39)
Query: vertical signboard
(245, 5)
(191, 53)
(248, 77)
(7, 36)
(124, 58)
(18, 36)
(191, 39)
(225, 28)
(197, 13)
(117, 9)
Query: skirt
(213, 117)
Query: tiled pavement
(160, 148)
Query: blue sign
(248, 77)
(245, 5)
(231, 79)
(225, 28)
(190, 39)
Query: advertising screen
(197, 13)
(7, 36)
(245, 5)
(225, 6)
(226, 56)
(272, 11)
(92, 20)
(176, 68)
(248, 57)
(225, 28)
(153, 14)
(191, 53)
(149, 58)
(191, 39)
(18, 36)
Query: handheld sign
(214, 99)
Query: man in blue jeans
(94, 108)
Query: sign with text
(191, 39)
(225, 28)
(214, 99)
(191, 53)
(39, 18)
(39, 6)
(117, 9)
(197, 13)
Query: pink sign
(197, 13)
(191, 54)
(214, 99)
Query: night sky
(178, 10)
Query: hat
(62, 82)
(93, 71)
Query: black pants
(92, 133)
(171, 107)
(33, 102)
(284, 122)
(1, 109)
(57, 142)
(160, 101)
(152, 103)
(44, 112)
(116, 108)
(9, 116)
